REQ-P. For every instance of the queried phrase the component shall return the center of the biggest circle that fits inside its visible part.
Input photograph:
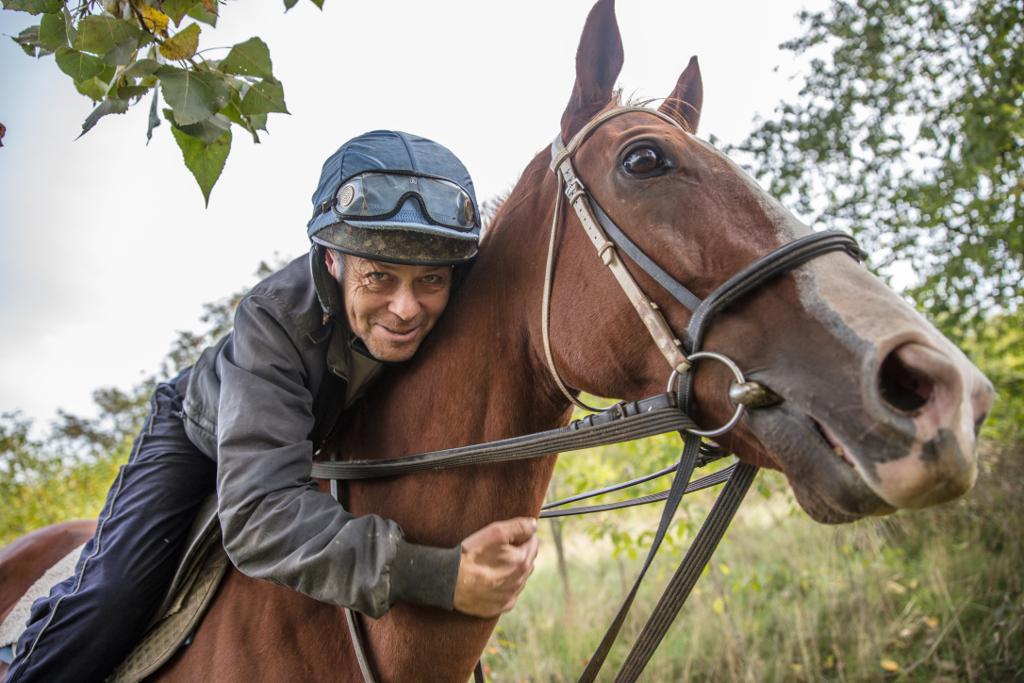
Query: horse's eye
(644, 161)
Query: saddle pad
(15, 622)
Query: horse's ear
(598, 62)
(687, 98)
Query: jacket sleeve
(277, 525)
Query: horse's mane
(490, 207)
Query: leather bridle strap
(653, 320)
(680, 293)
(358, 639)
(713, 479)
(687, 462)
(689, 570)
(623, 422)
(779, 261)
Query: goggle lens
(379, 195)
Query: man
(395, 219)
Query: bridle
(627, 421)
(608, 239)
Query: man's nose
(404, 304)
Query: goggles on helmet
(375, 196)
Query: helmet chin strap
(327, 290)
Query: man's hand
(496, 562)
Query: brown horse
(26, 559)
(879, 410)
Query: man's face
(391, 307)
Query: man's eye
(377, 276)
(432, 279)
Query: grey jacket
(251, 403)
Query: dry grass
(933, 595)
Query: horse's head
(879, 411)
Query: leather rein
(629, 420)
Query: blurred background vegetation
(908, 132)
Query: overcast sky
(105, 246)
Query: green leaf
(251, 58)
(154, 120)
(126, 92)
(107, 106)
(101, 34)
(121, 54)
(319, 3)
(207, 131)
(259, 121)
(142, 67)
(93, 88)
(29, 41)
(288, 4)
(30, 50)
(200, 13)
(193, 95)
(52, 31)
(78, 65)
(177, 9)
(183, 44)
(34, 6)
(69, 24)
(264, 97)
(235, 116)
(205, 161)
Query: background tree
(65, 474)
(908, 132)
(118, 52)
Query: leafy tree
(21, 461)
(909, 133)
(118, 52)
(66, 474)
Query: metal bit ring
(737, 375)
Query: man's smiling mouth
(399, 335)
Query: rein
(629, 420)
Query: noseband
(608, 239)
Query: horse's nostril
(903, 387)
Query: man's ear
(334, 261)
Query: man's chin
(391, 352)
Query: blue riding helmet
(396, 197)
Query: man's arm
(277, 524)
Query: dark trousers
(90, 622)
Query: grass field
(933, 595)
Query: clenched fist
(496, 562)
